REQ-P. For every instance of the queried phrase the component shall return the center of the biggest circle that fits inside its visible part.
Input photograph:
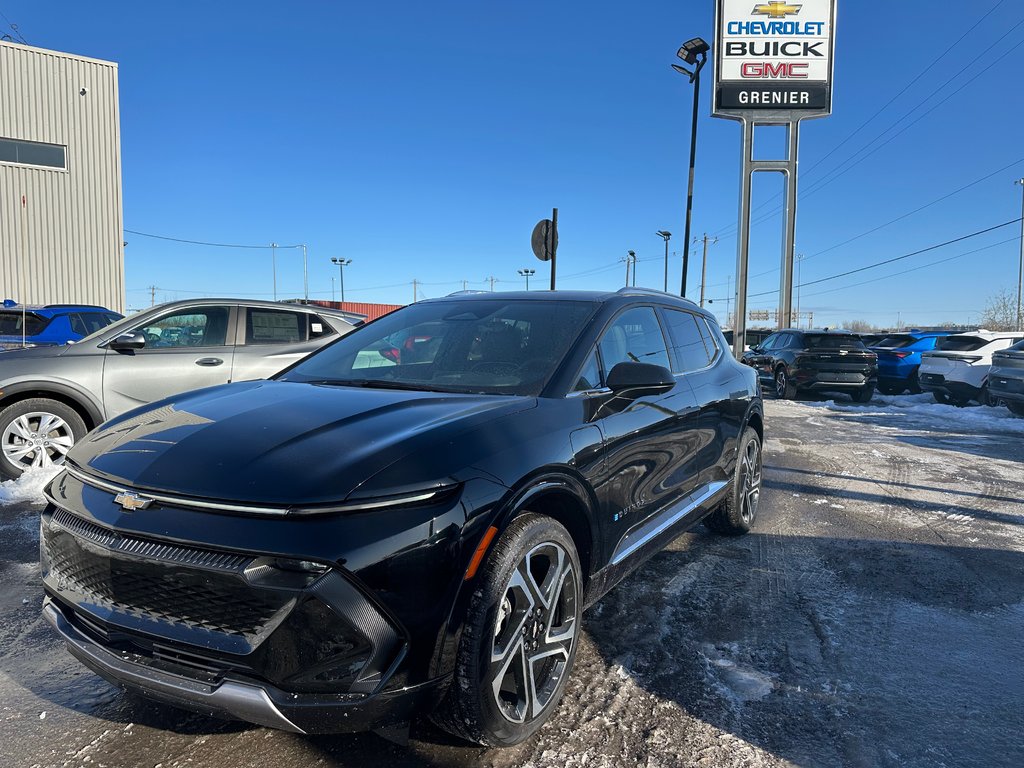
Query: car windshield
(960, 343)
(832, 341)
(1018, 347)
(493, 346)
(896, 342)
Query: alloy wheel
(37, 439)
(534, 633)
(780, 383)
(750, 467)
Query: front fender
(63, 387)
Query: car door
(186, 348)
(648, 443)
(271, 339)
(717, 391)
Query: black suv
(820, 361)
(410, 520)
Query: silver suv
(51, 396)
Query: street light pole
(527, 273)
(666, 236)
(799, 281)
(305, 273)
(632, 257)
(342, 263)
(695, 53)
(273, 266)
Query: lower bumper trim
(243, 702)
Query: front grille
(143, 579)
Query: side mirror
(756, 349)
(128, 341)
(640, 379)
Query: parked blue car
(899, 357)
(50, 325)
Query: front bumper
(253, 702)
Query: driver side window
(196, 327)
(634, 336)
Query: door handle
(209, 361)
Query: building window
(33, 153)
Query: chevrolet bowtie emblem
(776, 9)
(131, 501)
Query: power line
(201, 242)
(14, 29)
(893, 259)
(936, 201)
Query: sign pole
(789, 232)
(739, 329)
(554, 244)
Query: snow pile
(28, 488)
(925, 413)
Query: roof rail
(633, 290)
(466, 293)
(84, 306)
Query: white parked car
(957, 371)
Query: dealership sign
(774, 57)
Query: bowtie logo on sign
(776, 10)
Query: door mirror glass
(128, 341)
(639, 379)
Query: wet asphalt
(874, 617)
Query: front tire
(736, 514)
(864, 394)
(37, 433)
(1016, 408)
(519, 638)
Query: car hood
(279, 443)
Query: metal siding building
(60, 228)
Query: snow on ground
(28, 488)
(919, 411)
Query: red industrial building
(372, 311)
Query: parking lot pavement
(873, 618)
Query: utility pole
(704, 265)
(273, 266)
(1020, 269)
(342, 263)
(152, 295)
(491, 279)
(666, 236)
(728, 305)
(464, 285)
(415, 293)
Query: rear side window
(832, 341)
(274, 326)
(10, 323)
(896, 342)
(688, 342)
(85, 323)
(634, 336)
(318, 328)
(961, 343)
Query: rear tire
(914, 384)
(1016, 408)
(864, 394)
(37, 433)
(737, 513)
(784, 388)
(942, 398)
(523, 624)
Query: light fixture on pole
(342, 263)
(527, 273)
(666, 235)
(695, 53)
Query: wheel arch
(67, 394)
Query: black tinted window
(832, 341)
(961, 343)
(84, 323)
(10, 323)
(318, 328)
(198, 327)
(896, 342)
(689, 343)
(634, 336)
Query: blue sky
(424, 140)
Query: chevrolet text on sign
(774, 56)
